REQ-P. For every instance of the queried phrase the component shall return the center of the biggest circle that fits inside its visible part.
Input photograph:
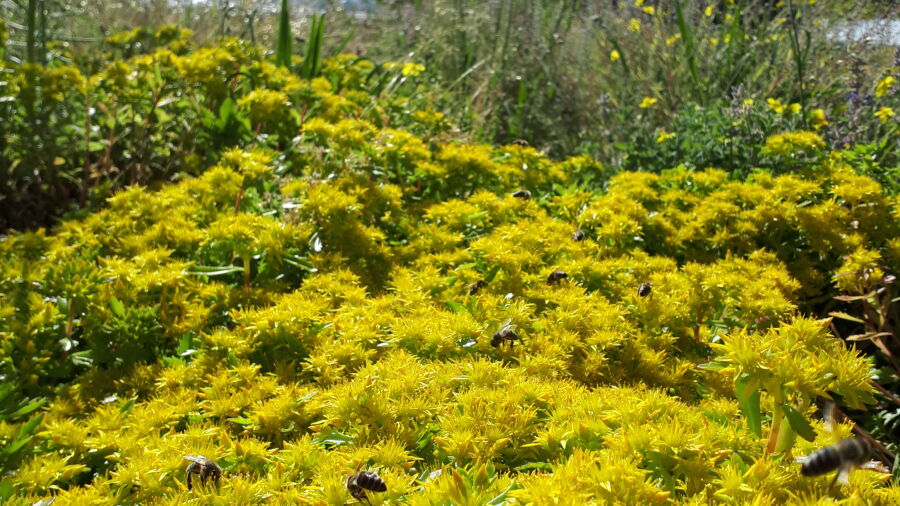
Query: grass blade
(283, 46)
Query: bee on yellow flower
(614, 55)
(884, 86)
(647, 102)
(884, 114)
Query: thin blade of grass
(283, 46)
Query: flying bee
(645, 289)
(476, 287)
(578, 236)
(845, 456)
(555, 277)
(360, 481)
(505, 335)
(204, 467)
(522, 194)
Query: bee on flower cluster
(555, 277)
(645, 289)
(360, 481)
(506, 334)
(204, 467)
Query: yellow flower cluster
(793, 143)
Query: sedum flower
(664, 136)
(884, 114)
(634, 25)
(647, 102)
(614, 55)
(790, 143)
(412, 69)
(884, 86)
(775, 105)
(817, 119)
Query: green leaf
(501, 498)
(714, 365)
(539, 466)
(117, 307)
(241, 421)
(799, 423)
(283, 46)
(748, 399)
(24, 410)
(127, 406)
(491, 274)
(23, 436)
(6, 490)
(454, 306)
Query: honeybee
(555, 277)
(645, 289)
(360, 481)
(522, 194)
(578, 236)
(506, 334)
(204, 467)
(845, 456)
(475, 287)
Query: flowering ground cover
(325, 299)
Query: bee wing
(828, 415)
(801, 460)
(198, 458)
(877, 466)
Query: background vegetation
(267, 256)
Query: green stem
(777, 419)
(246, 258)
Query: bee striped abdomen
(847, 452)
(371, 481)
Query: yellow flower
(647, 102)
(884, 86)
(638, 3)
(713, 41)
(614, 55)
(748, 102)
(790, 143)
(412, 69)
(885, 113)
(673, 39)
(794, 108)
(817, 119)
(776, 105)
(708, 11)
(634, 25)
(649, 10)
(664, 136)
